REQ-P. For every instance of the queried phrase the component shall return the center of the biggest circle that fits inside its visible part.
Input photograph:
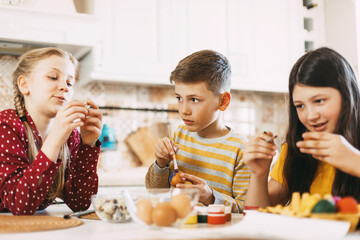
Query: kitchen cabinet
(342, 20)
(264, 42)
(143, 40)
(22, 28)
(135, 42)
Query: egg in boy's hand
(176, 178)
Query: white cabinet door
(342, 20)
(197, 25)
(135, 43)
(200, 24)
(266, 45)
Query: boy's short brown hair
(207, 66)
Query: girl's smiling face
(318, 108)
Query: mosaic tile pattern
(7, 66)
(249, 112)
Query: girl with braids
(321, 153)
(42, 154)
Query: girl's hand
(91, 130)
(66, 120)
(258, 154)
(164, 151)
(206, 193)
(333, 149)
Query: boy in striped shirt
(208, 152)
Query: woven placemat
(92, 216)
(17, 224)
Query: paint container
(192, 218)
(228, 213)
(202, 214)
(216, 214)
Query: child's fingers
(74, 125)
(315, 151)
(263, 148)
(261, 141)
(187, 186)
(191, 178)
(161, 151)
(92, 104)
(95, 113)
(72, 104)
(266, 134)
(316, 136)
(168, 147)
(93, 122)
(75, 117)
(312, 144)
(74, 109)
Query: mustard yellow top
(324, 177)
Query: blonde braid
(20, 110)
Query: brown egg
(182, 204)
(163, 214)
(177, 179)
(144, 210)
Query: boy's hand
(164, 151)
(206, 193)
(258, 154)
(91, 130)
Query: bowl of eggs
(163, 207)
(111, 207)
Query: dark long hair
(322, 68)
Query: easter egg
(324, 206)
(182, 204)
(163, 214)
(176, 178)
(347, 205)
(144, 210)
(336, 199)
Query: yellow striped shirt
(216, 160)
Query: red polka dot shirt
(24, 186)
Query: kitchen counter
(96, 229)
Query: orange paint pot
(216, 214)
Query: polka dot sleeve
(23, 185)
(82, 176)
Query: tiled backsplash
(249, 112)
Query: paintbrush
(78, 214)
(174, 157)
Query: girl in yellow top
(321, 153)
